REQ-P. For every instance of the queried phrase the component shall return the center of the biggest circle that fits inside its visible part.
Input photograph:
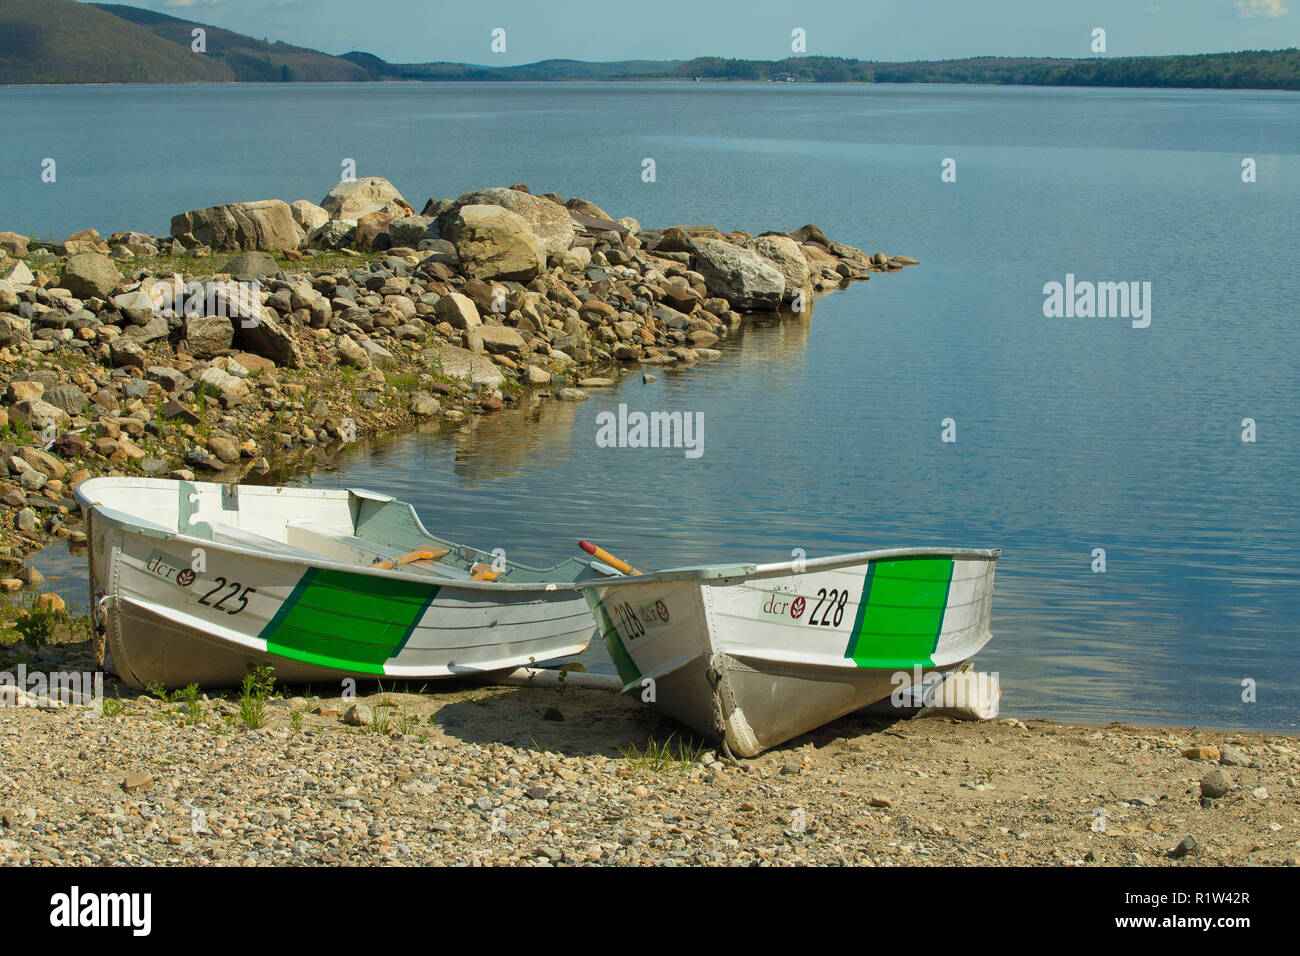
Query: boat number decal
(634, 620)
(631, 624)
(827, 611)
(234, 592)
(834, 602)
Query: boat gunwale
(143, 528)
(734, 573)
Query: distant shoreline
(666, 79)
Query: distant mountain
(249, 60)
(61, 41)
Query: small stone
(552, 714)
(883, 803)
(1201, 753)
(1232, 757)
(1216, 784)
(1187, 845)
(137, 780)
(358, 715)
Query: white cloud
(1250, 9)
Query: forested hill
(62, 41)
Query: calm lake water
(1073, 434)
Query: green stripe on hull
(900, 613)
(628, 672)
(350, 622)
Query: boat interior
(349, 526)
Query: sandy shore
(464, 774)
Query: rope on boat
(713, 675)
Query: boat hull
(757, 657)
(178, 610)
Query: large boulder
(13, 244)
(265, 224)
(90, 275)
(494, 243)
(787, 255)
(549, 221)
(741, 276)
(308, 215)
(354, 198)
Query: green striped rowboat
(757, 654)
(198, 582)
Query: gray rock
(1232, 757)
(308, 215)
(67, 397)
(264, 224)
(351, 353)
(268, 338)
(1216, 783)
(493, 243)
(208, 335)
(334, 234)
(256, 264)
(379, 356)
(458, 310)
(90, 275)
(741, 276)
(455, 362)
(784, 253)
(358, 715)
(410, 230)
(548, 221)
(501, 339)
(352, 199)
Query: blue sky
(423, 30)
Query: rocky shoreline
(259, 329)
(473, 775)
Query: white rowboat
(198, 582)
(757, 654)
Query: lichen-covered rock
(493, 243)
(549, 222)
(266, 224)
(741, 276)
(354, 198)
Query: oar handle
(600, 554)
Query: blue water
(824, 434)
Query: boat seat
(229, 534)
(326, 542)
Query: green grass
(257, 687)
(660, 758)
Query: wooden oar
(419, 554)
(600, 554)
